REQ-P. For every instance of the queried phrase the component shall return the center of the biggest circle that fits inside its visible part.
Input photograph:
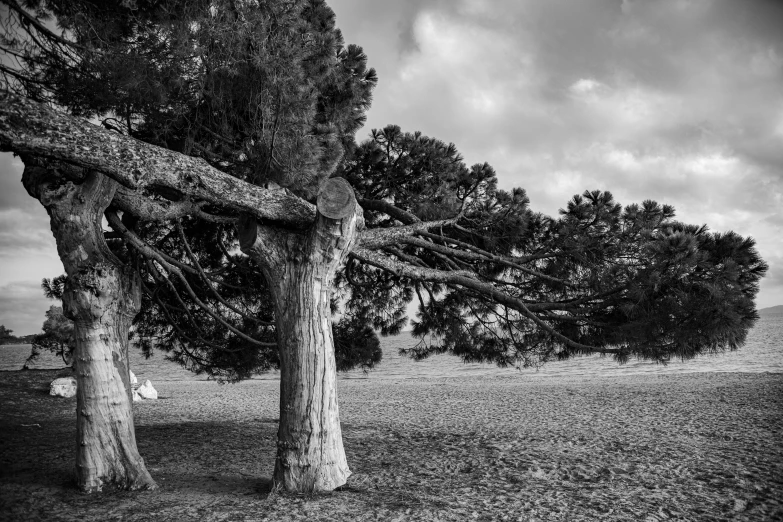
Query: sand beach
(701, 446)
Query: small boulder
(136, 396)
(133, 380)
(63, 387)
(146, 391)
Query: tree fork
(300, 270)
(101, 296)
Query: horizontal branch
(462, 278)
(387, 208)
(515, 260)
(34, 128)
(146, 209)
(417, 273)
(473, 256)
(380, 237)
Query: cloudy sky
(674, 100)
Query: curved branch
(181, 333)
(459, 278)
(30, 127)
(39, 26)
(387, 208)
(485, 256)
(146, 209)
(134, 240)
(208, 281)
(161, 278)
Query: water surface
(763, 352)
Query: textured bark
(28, 127)
(300, 270)
(102, 296)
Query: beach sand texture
(676, 447)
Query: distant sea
(763, 353)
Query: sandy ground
(682, 447)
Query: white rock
(136, 396)
(133, 380)
(147, 391)
(63, 387)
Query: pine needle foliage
(599, 278)
(269, 93)
(265, 91)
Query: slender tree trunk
(300, 270)
(102, 296)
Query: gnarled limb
(28, 127)
(146, 209)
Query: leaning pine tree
(57, 336)
(400, 218)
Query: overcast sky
(673, 100)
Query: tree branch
(146, 209)
(39, 26)
(387, 208)
(30, 127)
(208, 281)
(486, 256)
(380, 237)
(462, 279)
(117, 225)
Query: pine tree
(6, 336)
(57, 337)
(266, 93)
(401, 218)
(57, 330)
(237, 102)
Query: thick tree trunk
(300, 270)
(103, 299)
(102, 296)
